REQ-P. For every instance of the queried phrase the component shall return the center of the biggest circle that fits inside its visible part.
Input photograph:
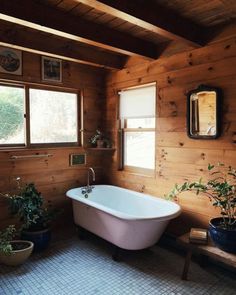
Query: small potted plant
(13, 252)
(221, 191)
(28, 205)
(97, 139)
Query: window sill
(150, 173)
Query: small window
(137, 122)
(12, 109)
(53, 117)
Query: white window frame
(123, 128)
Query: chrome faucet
(88, 189)
(93, 174)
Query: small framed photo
(51, 69)
(10, 61)
(77, 159)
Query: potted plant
(28, 205)
(221, 191)
(13, 252)
(97, 139)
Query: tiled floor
(74, 267)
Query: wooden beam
(47, 19)
(152, 17)
(41, 43)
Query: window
(12, 109)
(31, 116)
(53, 116)
(137, 122)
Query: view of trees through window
(11, 115)
(53, 116)
(139, 143)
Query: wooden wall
(179, 158)
(53, 176)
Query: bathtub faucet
(88, 189)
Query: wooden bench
(208, 250)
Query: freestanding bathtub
(128, 219)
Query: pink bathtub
(128, 219)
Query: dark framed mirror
(203, 112)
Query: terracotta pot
(17, 257)
(100, 143)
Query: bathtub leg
(116, 256)
(81, 233)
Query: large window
(31, 116)
(137, 122)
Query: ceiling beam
(48, 19)
(41, 43)
(152, 17)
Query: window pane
(12, 115)
(139, 149)
(141, 123)
(53, 116)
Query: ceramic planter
(41, 239)
(222, 238)
(100, 143)
(17, 257)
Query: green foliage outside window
(11, 111)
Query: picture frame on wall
(77, 159)
(10, 61)
(51, 69)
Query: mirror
(203, 118)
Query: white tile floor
(74, 267)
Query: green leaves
(210, 167)
(28, 206)
(220, 190)
(6, 237)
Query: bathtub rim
(121, 215)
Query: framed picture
(77, 159)
(51, 69)
(10, 61)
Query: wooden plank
(189, 59)
(209, 250)
(51, 20)
(37, 42)
(74, 75)
(196, 75)
(152, 17)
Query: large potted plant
(35, 217)
(221, 190)
(13, 252)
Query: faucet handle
(84, 190)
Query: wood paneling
(210, 14)
(51, 20)
(179, 158)
(30, 40)
(53, 176)
(152, 17)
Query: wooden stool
(208, 250)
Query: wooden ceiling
(106, 32)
